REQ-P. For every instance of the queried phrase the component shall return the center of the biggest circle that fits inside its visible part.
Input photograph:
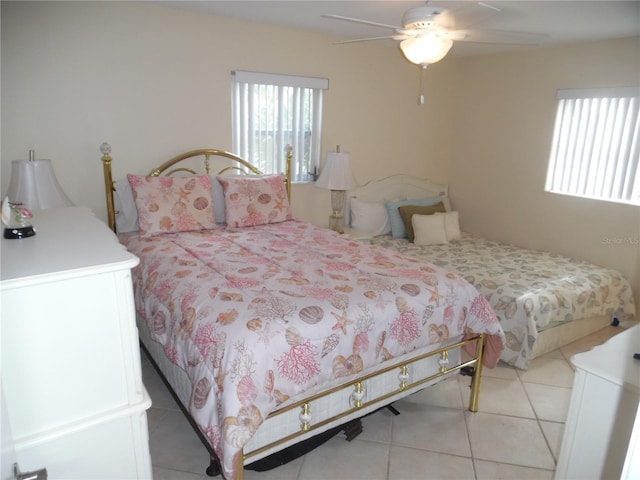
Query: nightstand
(71, 372)
(356, 234)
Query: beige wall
(155, 81)
(503, 130)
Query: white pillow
(369, 217)
(451, 225)
(429, 230)
(125, 205)
(217, 195)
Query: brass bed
(327, 406)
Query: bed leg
(214, 467)
(239, 466)
(353, 429)
(477, 375)
(393, 410)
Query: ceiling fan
(428, 31)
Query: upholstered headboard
(395, 187)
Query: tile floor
(515, 434)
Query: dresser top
(69, 242)
(613, 360)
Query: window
(272, 111)
(596, 149)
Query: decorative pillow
(172, 204)
(429, 230)
(217, 193)
(398, 229)
(408, 211)
(369, 217)
(451, 225)
(251, 201)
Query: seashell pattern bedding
(259, 315)
(528, 290)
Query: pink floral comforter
(258, 315)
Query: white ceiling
(567, 21)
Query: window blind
(595, 151)
(271, 111)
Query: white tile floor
(515, 434)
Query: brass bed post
(477, 375)
(239, 466)
(289, 150)
(105, 149)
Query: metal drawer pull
(35, 475)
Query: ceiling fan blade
(395, 37)
(358, 20)
(497, 36)
(467, 15)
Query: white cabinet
(631, 467)
(70, 358)
(602, 412)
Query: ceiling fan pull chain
(421, 92)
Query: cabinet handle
(40, 474)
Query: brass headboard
(166, 169)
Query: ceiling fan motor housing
(423, 16)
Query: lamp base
(336, 223)
(336, 219)
(19, 232)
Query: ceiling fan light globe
(425, 50)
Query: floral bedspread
(528, 290)
(257, 315)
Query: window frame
(292, 96)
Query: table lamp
(337, 177)
(33, 186)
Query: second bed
(543, 300)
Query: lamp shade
(337, 174)
(34, 184)
(425, 50)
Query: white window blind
(271, 111)
(595, 151)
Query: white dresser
(602, 412)
(70, 360)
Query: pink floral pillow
(255, 200)
(172, 204)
